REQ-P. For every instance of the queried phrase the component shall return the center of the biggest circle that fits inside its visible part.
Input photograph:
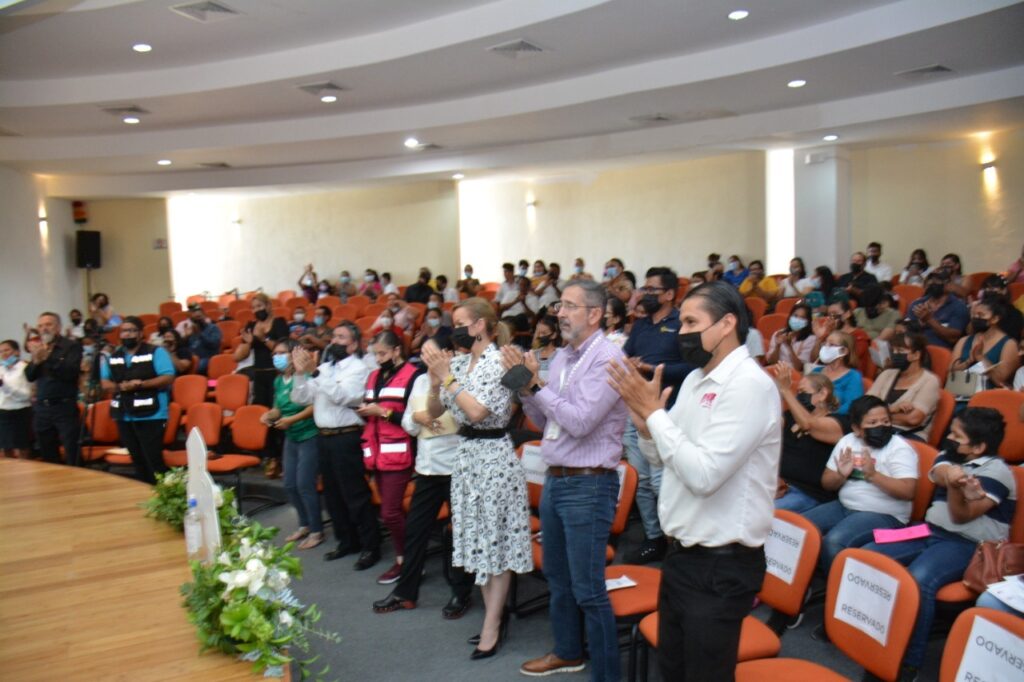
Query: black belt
(56, 401)
(734, 549)
(470, 433)
(561, 472)
(340, 430)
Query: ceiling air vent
(652, 119)
(515, 49)
(320, 88)
(215, 164)
(126, 110)
(930, 71)
(205, 12)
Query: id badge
(552, 430)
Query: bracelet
(456, 394)
(448, 380)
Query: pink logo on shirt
(708, 399)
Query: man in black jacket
(54, 370)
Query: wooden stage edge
(89, 585)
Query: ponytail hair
(482, 309)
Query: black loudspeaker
(87, 248)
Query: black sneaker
(648, 551)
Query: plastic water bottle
(193, 531)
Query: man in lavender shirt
(583, 419)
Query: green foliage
(242, 603)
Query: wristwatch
(534, 389)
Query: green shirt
(875, 326)
(304, 429)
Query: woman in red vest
(387, 449)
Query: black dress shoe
(455, 608)
(392, 602)
(479, 653)
(367, 559)
(338, 552)
(474, 640)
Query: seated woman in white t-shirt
(875, 473)
(798, 283)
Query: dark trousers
(346, 492)
(703, 600)
(145, 441)
(57, 424)
(430, 494)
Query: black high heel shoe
(479, 653)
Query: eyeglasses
(568, 306)
(652, 290)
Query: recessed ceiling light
(798, 83)
(458, 176)
(163, 162)
(830, 138)
(328, 99)
(142, 47)
(739, 14)
(411, 143)
(131, 120)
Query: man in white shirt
(509, 283)
(449, 294)
(521, 301)
(720, 446)
(875, 266)
(437, 444)
(549, 290)
(335, 388)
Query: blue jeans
(576, 514)
(648, 483)
(934, 561)
(301, 463)
(841, 528)
(989, 601)
(796, 501)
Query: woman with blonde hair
(490, 517)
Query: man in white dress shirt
(875, 266)
(335, 388)
(720, 446)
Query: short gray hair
(593, 292)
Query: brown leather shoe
(550, 664)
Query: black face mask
(900, 361)
(856, 268)
(980, 325)
(878, 437)
(650, 303)
(261, 315)
(335, 353)
(164, 328)
(75, 321)
(545, 340)
(935, 290)
(462, 338)
(387, 365)
(691, 349)
(951, 448)
(805, 401)
(872, 311)
(130, 343)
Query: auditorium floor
(420, 645)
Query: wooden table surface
(89, 586)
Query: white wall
(37, 266)
(219, 243)
(665, 214)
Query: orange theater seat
(1008, 403)
(203, 416)
(102, 430)
(220, 365)
(960, 638)
(232, 394)
(188, 390)
(168, 308)
(170, 431)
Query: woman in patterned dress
(490, 516)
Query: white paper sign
(866, 599)
(534, 465)
(783, 548)
(992, 654)
(619, 583)
(620, 469)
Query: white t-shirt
(1018, 379)
(519, 308)
(896, 460)
(882, 271)
(755, 343)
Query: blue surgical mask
(578, 269)
(613, 272)
(434, 322)
(432, 305)
(468, 274)
(280, 361)
(344, 279)
(11, 360)
(319, 320)
(522, 272)
(797, 323)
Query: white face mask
(468, 274)
(829, 354)
(368, 278)
(432, 305)
(385, 323)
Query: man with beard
(652, 342)
(54, 368)
(335, 389)
(583, 419)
